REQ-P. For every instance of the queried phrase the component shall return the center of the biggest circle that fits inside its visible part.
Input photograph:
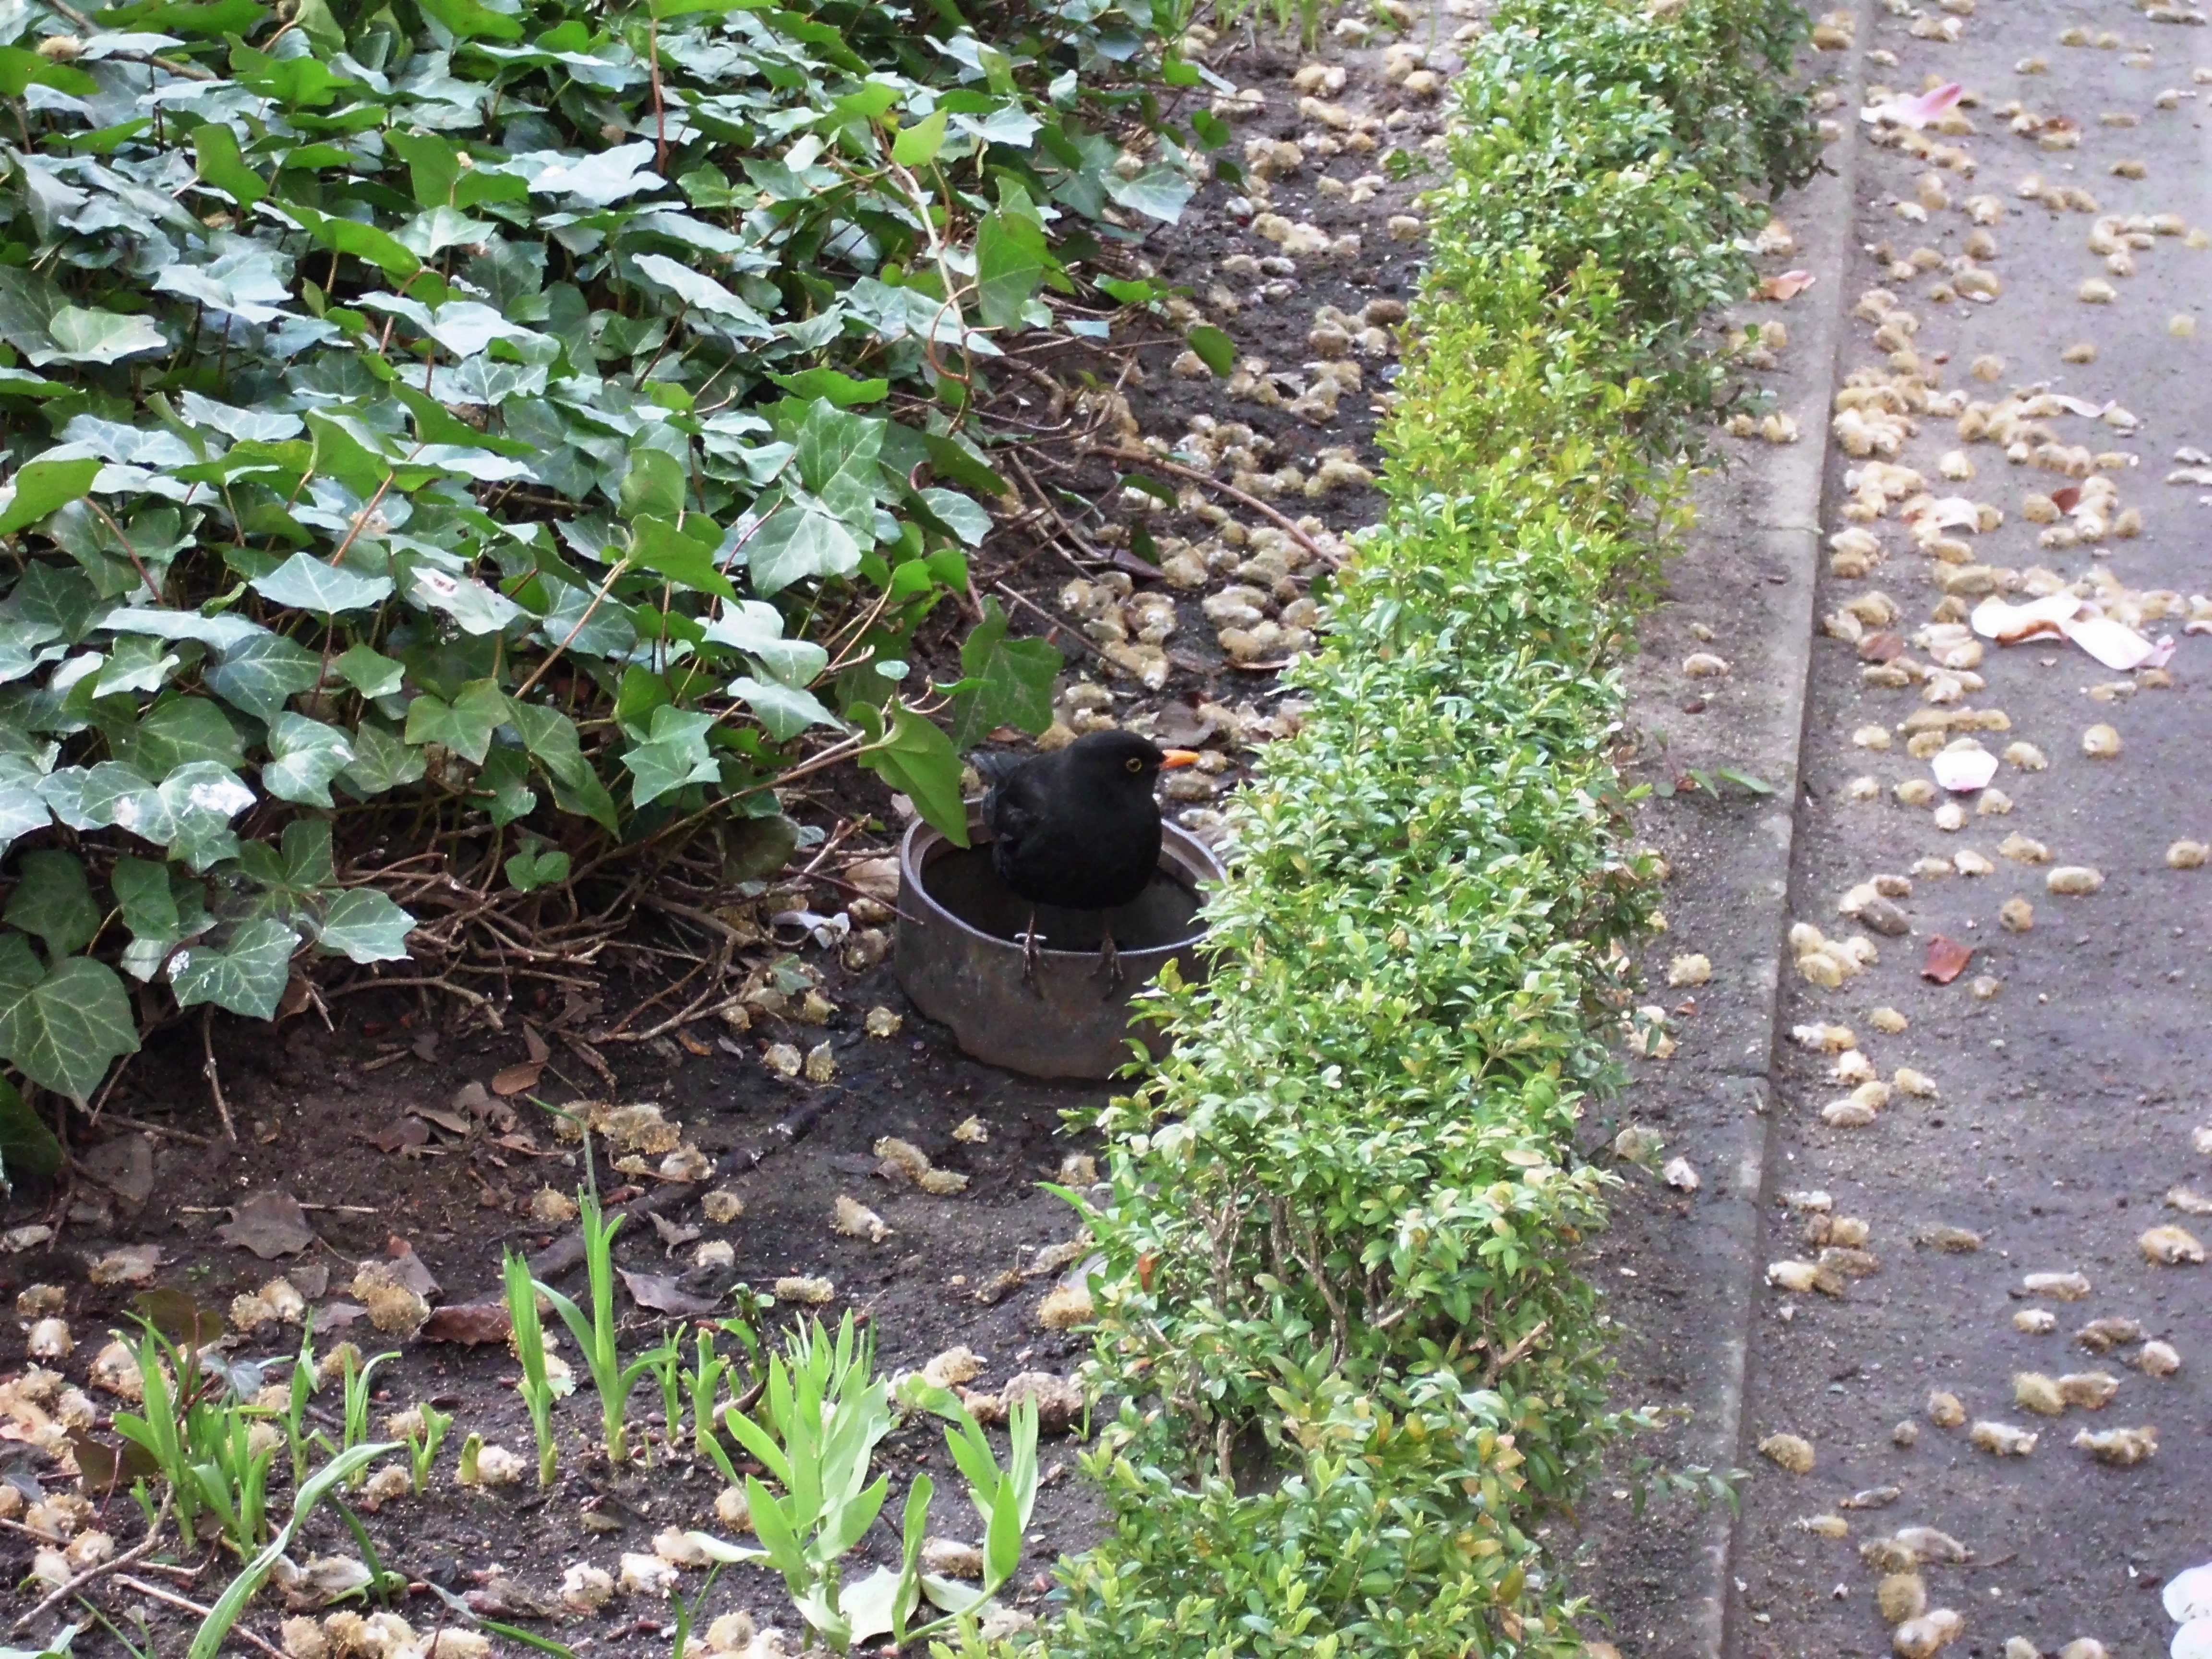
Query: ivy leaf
(796, 542)
(1158, 192)
(838, 455)
(27, 1147)
(149, 905)
(304, 755)
(673, 756)
(702, 292)
(364, 925)
(260, 675)
(304, 582)
(178, 732)
(62, 1027)
(1214, 348)
(662, 548)
(463, 725)
(1010, 267)
(381, 762)
(469, 20)
(917, 759)
(22, 808)
(246, 976)
(44, 488)
(1013, 681)
(217, 159)
(369, 670)
(135, 663)
(199, 800)
(97, 337)
(53, 901)
(755, 628)
(784, 711)
(917, 146)
(964, 517)
(537, 867)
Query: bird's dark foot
(1110, 964)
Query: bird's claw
(1031, 960)
(1110, 965)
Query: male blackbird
(1078, 829)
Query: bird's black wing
(1015, 804)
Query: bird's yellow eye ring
(1135, 763)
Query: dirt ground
(395, 1127)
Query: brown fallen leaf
(1787, 286)
(519, 1078)
(661, 1294)
(270, 1224)
(441, 1117)
(402, 1136)
(1947, 960)
(405, 1267)
(540, 1051)
(471, 1324)
(693, 1045)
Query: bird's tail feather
(993, 765)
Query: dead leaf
(270, 1224)
(125, 1166)
(1787, 286)
(405, 1267)
(336, 1316)
(471, 1097)
(672, 1235)
(471, 1324)
(402, 1136)
(661, 1294)
(877, 878)
(517, 1079)
(540, 1051)
(454, 1123)
(1947, 960)
(693, 1045)
(310, 1279)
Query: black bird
(1078, 829)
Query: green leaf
(369, 671)
(784, 711)
(178, 731)
(537, 867)
(307, 583)
(1214, 348)
(218, 161)
(673, 756)
(53, 901)
(382, 761)
(207, 17)
(97, 337)
(794, 542)
(654, 487)
(662, 548)
(1158, 192)
(149, 906)
(304, 755)
(260, 674)
(1014, 681)
(755, 628)
(62, 1027)
(1010, 267)
(364, 925)
(919, 761)
(468, 20)
(917, 145)
(842, 390)
(463, 725)
(838, 455)
(348, 236)
(965, 519)
(43, 487)
(246, 976)
(27, 1147)
(229, 1607)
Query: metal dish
(958, 960)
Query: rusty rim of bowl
(1190, 858)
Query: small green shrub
(1358, 1372)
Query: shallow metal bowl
(958, 960)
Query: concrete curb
(1789, 534)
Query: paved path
(2032, 1115)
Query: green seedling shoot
(535, 1387)
(822, 1414)
(423, 1449)
(596, 1333)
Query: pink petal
(2113, 644)
(2009, 624)
(1924, 111)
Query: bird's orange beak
(1173, 758)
